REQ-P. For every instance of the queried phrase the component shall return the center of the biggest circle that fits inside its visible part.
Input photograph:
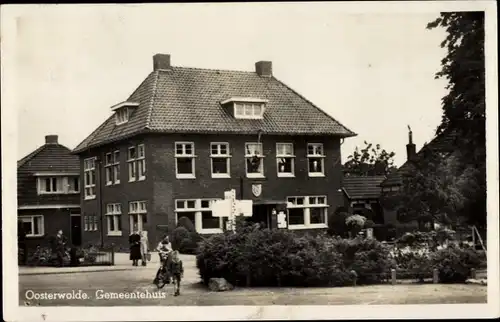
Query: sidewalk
(122, 263)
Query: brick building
(186, 135)
(48, 193)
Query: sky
(372, 71)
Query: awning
(269, 202)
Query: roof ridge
(212, 69)
(314, 105)
(152, 100)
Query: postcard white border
(9, 146)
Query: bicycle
(162, 275)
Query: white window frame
(281, 155)
(191, 155)
(89, 186)
(70, 189)
(112, 167)
(141, 162)
(131, 164)
(31, 219)
(113, 213)
(122, 115)
(138, 208)
(261, 156)
(249, 110)
(90, 223)
(198, 209)
(316, 155)
(63, 183)
(307, 206)
(220, 155)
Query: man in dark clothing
(60, 247)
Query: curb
(74, 271)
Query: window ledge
(253, 176)
(220, 176)
(131, 180)
(89, 197)
(35, 236)
(141, 179)
(188, 176)
(311, 226)
(211, 231)
(114, 233)
(286, 175)
(316, 174)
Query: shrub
(337, 223)
(454, 264)
(266, 257)
(355, 223)
(185, 239)
(186, 223)
(412, 262)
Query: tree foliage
(371, 160)
(464, 105)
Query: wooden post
(354, 276)
(113, 254)
(393, 276)
(435, 276)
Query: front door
(76, 229)
(261, 215)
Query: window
(315, 156)
(58, 185)
(141, 162)
(219, 154)
(285, 159)
(112, 168)
(73, 184)
(199, 211)
(138, 215)
(91, 223)
(89, 177)
(33, 225)
(307, 212)
(113, 218)
(184, 160)
(254, 160)
(122, 115)
(248, 110)
(132, 170)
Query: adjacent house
(48, 193)
(186, 135)
(363, 192)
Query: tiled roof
(444, 142)
(363, 187)
(50, 158)
(187, 100)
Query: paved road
(138, 281)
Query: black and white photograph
(216, 161)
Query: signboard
(244, 207)
(221, 208)
(281, 220)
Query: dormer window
(246, 108)
(123, 111)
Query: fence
(89, 256)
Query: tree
(464, 105)
(370, 161)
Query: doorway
(76, 229)
(261, 214)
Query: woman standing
(144, 247)
(135, 248)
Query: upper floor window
(246, 107)
(136, 163)
(254, 160)
(316, 159)
(112, 168)
(89, 178)
(123, 111)
(184, 160)
(220, 159)
(285, 159)
(58, 185)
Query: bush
(185, 239)
(266, 257)
(454, 264)
(337, 223)
(186, 223)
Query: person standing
(135, 248)
(144, 247)
(177, 271)
(60, 246)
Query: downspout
(98, 180)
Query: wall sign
(257, 189)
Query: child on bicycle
(175, 268)
(164, 249)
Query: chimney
(51, 139)
(161, 62)
(264, 68)
(411, 149)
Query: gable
(50, 158)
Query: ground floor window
(33, 225)
(138, 215)
(90, 223)
(200, 213)
(307, 212)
